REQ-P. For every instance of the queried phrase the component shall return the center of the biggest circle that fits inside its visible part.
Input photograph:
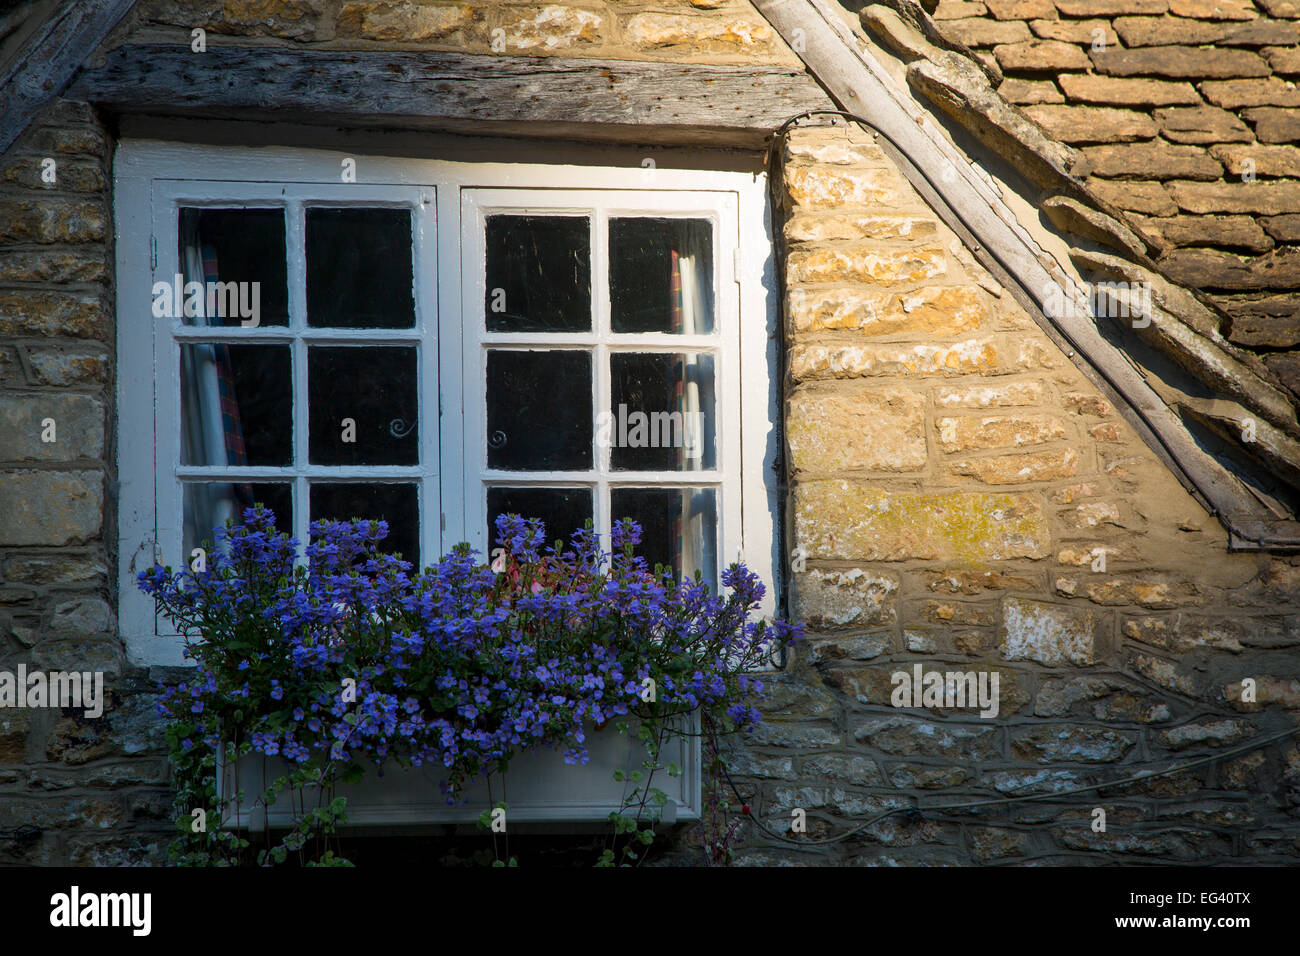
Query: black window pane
(662, 416)
(661, 275)
(562, 510)
(362, 405)
(395, 503)
(236, 404)
(238, 256)
(359, 268)
(208, 504)
(679, 527)
(539, 410)
(538, 274)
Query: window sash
(148, 196)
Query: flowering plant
(351, 660)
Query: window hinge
(735, 262)
(153, 252)
(444, 522)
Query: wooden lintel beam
(431, 89)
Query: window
(437, 343)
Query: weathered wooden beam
(50, 57)
(449, 90)
(818, 33)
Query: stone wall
(1185, 113)
(954, 479)
(95, 786)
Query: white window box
(539, 788)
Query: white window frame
(151, 178)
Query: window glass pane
(398, 504)
(661, 276)
(539, 412)
(238, 257)
(562, 510)
(209, 504)
(236, 405)
(538, 274)
(359, 268)
(662, 414)
(362, 405)
(679, 527)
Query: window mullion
(296, 243)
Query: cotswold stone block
(972, 432)
(988, 396)
(1215, 733)
(1110, 8)
(865, 263)
(1269, 691)
(403, 20)
(1213, 9)
(67, 367)
(832, 188)
(909, 736)
(1150, 161)
(1165, 673)
(853, 647)
(1047, 633)
(553, 27)
(1284, 59)
(1021, 9)
(1164, 31)
(1266, 198)
(50, 507)
(907, 777)
(1057, 698)
(1181, 62)
(832, 146)
(826, 227)
(854, 361)
(958, 10)
(49, 220)
(60, 569)
(1146, 593)
(853, 598)
(52, 265)
(1266, 160)
(76, 176)
(1199, 268)
(872, 431)
(1092, 124)
(1202, 124)
(1281, 8)
(1063, 742)
(77, 422)
(1234, 94)
(1274, 125)
(51, 314)
(1028, 92)
(654, 31)
(1089, 88)
(1074, 31)
(852, 521)
(944, 310)
(978, 31)
(1020, 469)
(1048, 56)
(1234, 232)
(1149, 198)
(958, 581)
(290, 19)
